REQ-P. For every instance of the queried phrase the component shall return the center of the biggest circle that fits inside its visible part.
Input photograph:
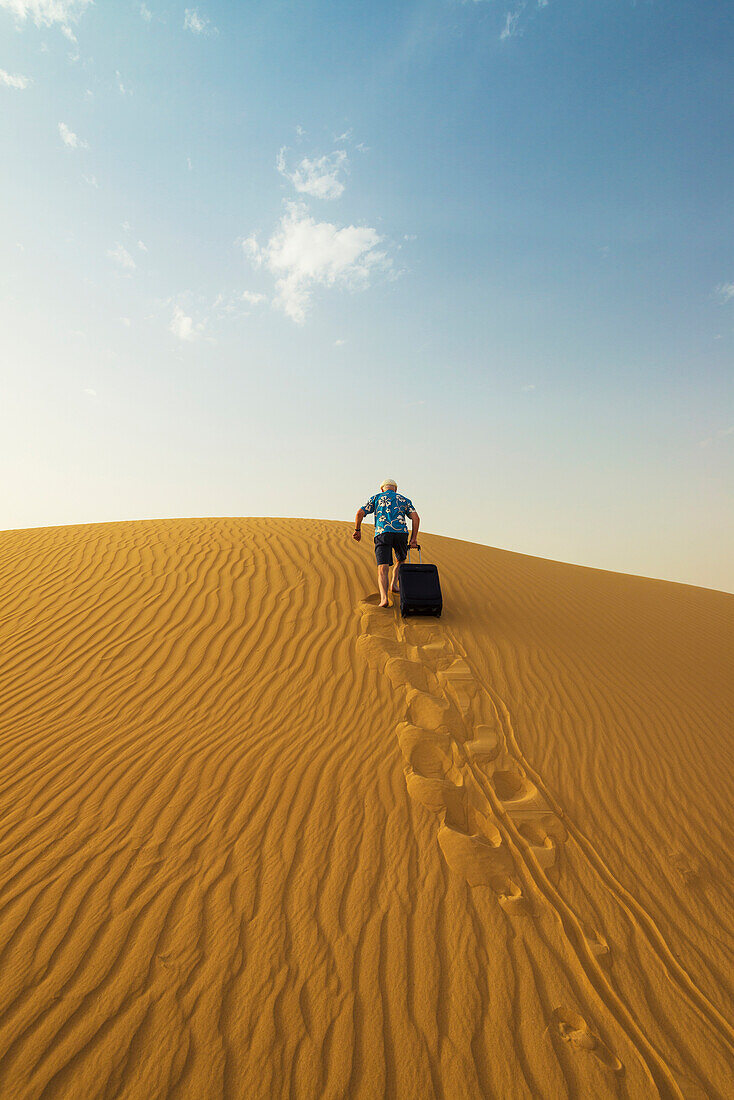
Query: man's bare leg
(394, 583)
(383, 578)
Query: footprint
(544, 832)
(485, 745)
(458, 681)
(574, 1029)
(403, 673)
(438, 795)
(509, 895)
(687, 868)
(425, 750)
(473, 856)
(512, 787)
(376, 622)
(377, 651)
(430, 758)
(426, 710)
(597, 945)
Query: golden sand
(259, 838)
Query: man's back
(390, 509)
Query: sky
(258, 256)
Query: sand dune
(259, 838)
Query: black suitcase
(420, 590)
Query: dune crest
(260, 838)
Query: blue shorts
(386, 542)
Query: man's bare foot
(385, 604)
(393, 589)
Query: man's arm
(357, 533)
(415, 519)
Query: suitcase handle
(418, 548)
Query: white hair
(388, 483)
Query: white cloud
(721, 434)
(91, 180)
(529, 388)
(142, 247)
(13, 81)
(188, 163)
(197, 24)
(183, 326)
(126, 321)
(90, 391)
(251, 249)
(725, 292)
(236, 305)
(339, 343)
(45, 13)
(319, 178)
(123, 90)
(146, 13)
(303, 254)
(69, 137)
(121, 256)
(511, 21)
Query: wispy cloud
(11, 80)
(145, 13)
(46, 13)
(517, 17)
(303, 254)
(512, 19)
(319, 178)
(184, 327)
(252, 298)
(90, 180)
(142, 247)
(122, 257)
(237, 304)
(721, 434)
(725, 292)
(121, 87)
(70, 138)
(198, 24)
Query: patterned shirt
(390, 510)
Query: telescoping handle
(418, 548)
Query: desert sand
(259, 838)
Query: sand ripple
(259, 838)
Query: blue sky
(259, 256)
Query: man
(391, 533)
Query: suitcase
(420, 590)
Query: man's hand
(413, 544)
(356, 534)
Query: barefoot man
(391, 532)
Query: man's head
(388, 483)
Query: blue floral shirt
(390, 510)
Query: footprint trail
(502, 831)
